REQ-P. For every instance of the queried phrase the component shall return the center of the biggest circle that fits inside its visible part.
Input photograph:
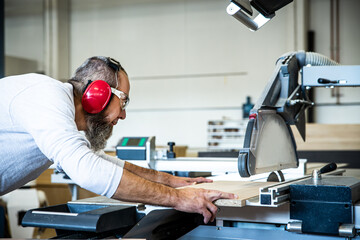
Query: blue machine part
(244, 233)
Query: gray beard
(98, 131)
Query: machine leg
(74, 191)
(219, 222)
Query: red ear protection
(96, 96)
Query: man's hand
(176, 182)
(200, 201)
(137, 189)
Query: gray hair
(94, 68)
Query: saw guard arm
(269, 144)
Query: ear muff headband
(113, 64)
(96, 96)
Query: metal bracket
(278, 194)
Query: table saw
(323, 205)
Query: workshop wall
(341, 105)
(188, 61)
(24, 37)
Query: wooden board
(102, 200)
(329, 137)
(244, 190)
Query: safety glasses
(124, 98)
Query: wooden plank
(244, 190)
(102, 200)
(329, 137)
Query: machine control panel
(134, 148)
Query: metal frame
(278, 194)
(343, 76)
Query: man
(40, 123)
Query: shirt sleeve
(46, 111)
(112, 159)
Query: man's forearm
(149, 174)
(137, 189)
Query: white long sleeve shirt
(37, 129)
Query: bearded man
(42, 121)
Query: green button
(125, 141)
(142, 141)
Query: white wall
(188, 61)
(155, 39)
(24, 30)
(349, 21)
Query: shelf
(226, 135)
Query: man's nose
(122, 114)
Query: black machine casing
(325, 204)
(74, 220)
(77, 218)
